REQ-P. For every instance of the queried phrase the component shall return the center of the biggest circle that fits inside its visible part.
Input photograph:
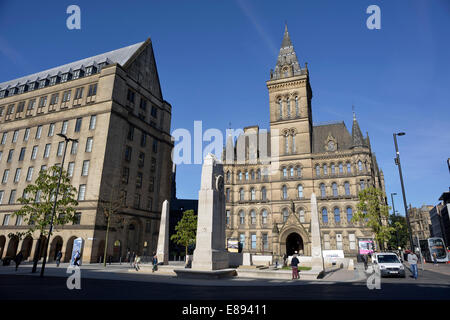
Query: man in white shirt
(412, 260)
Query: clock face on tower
(219, 183)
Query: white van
(388, 264)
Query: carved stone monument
(316, 247)
(162, 251)
(210, 252)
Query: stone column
(316, 245)
(162, 251)
(210, 252)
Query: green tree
(374, 212)
(400, 229)
(38, 200)
(186, 230)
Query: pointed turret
(357, 137)
(287, 63)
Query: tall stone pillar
(316, 243)
(210, 252)
(162, 251)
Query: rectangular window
(6, 219)
(42, 102)
(31, 104)
(30, 174)
(92, 122)
(21, 107)
(125, 175)
(141, 159)
(47, 150)
(4, 136)
(242, 239)
(130, 135)
(326, 240)
(66, 96)
(139, 180)
(143, 139)
(85, 169)
(2, 192)
(265, 241)
(22, 154)
(70, 169)
(43, 167)
(10, 155)
(17, 175)
(227, 217)
(137, 200)
(151, 184)
(74, 148)
(12, 197)
(81, 192)
(59, 153)
(34, 152)
(143, 104)
(1, 154)
(128, 151)
(92, 90)
(5, 176)
(130, 95)
(149, 204)
(154, 112)
(253, 237)
(153, 165)
(89, 144)
(54, 98)
(78, 125)
(79, 93)
(19, 220)
(77, 218)
(64, 127)
(339, 241)
(27, 134)
(51, 130)
(155, 146)
(15, 135)
(38, 132)
(352, 241)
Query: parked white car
(388, 264)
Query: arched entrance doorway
(12, 246)
(2, 245)
(55, 247)
(294, 242)
(69, 247)
(27, 244)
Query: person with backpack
(294, 265)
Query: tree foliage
(186, 230)
(38, 201)
(398, 223)
(374, 212)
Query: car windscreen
(388, 258)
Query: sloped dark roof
(120, 56)
(336, 130)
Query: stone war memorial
(210, 258)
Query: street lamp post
(397, 162)
(393, 211)
(56, 199)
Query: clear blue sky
(214, 57)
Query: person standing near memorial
(294, 265)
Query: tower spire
(287, 63)
(357, 137)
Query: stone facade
(112, 103)
(419, 219)
(269, 211)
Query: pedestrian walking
(58, 258)
(412, 260)
(128, 256)
(294, 265)
(137, 261)
(132, 257)
(77, 258)
(365, 259)
(435, 259)
(155, 263)
(18, 259)
(285, 256)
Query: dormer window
(21, 89)
(31, 86)
(42, 83)
(54, 80)
(77, 74)
(65, 77)
(90, 70)
(100, 66)
(12, 91)
(2, 93)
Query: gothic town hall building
(270, 214)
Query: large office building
(440, 219)
(419, 220)
(113, 105)
(270, 212)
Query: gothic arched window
(286, 143)
(323, 194)
(284, 173)
(285, 195)
(293, 143)
(241, 194)
(288, 107)
(318, 170)
(258, 174)
(296, 107)
(253, 216)
(299, 171)
(349, 214)
(241, 217)
(263, 193)
(349, 168)
(341, 169)
(324, 215)
(337, 215)
(360, 165)
(228, 176)
(246, 175)
(280, 106)
(291, 171)
(301, 215)
(252, 174)
(264, 216)
(228, 194)
(285, 214)
(335, 189)
(333, 169)
(240, 176)
(300, 191)
(252, 194)
(325, 169)
(347, 188)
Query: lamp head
(401, 134)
